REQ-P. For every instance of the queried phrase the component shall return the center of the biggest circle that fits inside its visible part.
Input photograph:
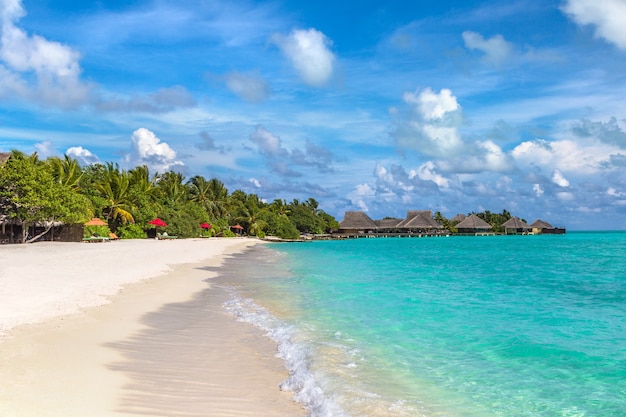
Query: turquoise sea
(507, 326)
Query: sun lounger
(165, 236)
(98, 239)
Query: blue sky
(455, 106)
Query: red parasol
(157, 222)
(205, 225)
(237, 226)
(96, 222)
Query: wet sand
(159, 346)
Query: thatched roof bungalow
(541, 227)
(516, 226)
(387, 225)
(357, 222)
(473, 224)
(419, 220)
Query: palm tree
(66, 171)
(172, 191)
(251, 214)
(114, 189)
(212, 195)
(280, 207)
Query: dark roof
(515, 223)
(419, 219)
(540, 224)
(357, 220)
(473, 222)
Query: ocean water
(507, 326)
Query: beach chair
(165, 236)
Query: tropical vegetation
(61, 190)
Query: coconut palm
(114, 189)
(66, 171)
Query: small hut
(474, 225)
(516, 226)
(541, 227)
(357, 222)
(419, 221)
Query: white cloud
(431, 105)
(614, 193)
(255, 182)
(247, 86)
(56, 67)
(268, 143)
(607, 16)
(496, 49)
(559, 179)
(147, 148)
(359, 195)
(45, 149)
(309, 53)
(83, 155)
(431, 126)
(538, 190)
(574, 157)
(427, 172)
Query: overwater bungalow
(541, 227)
(416, 223)
(419, 221)
(473, 224)
(357, 223)
(516, 226)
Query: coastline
(133, 340)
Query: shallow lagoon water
(461, 326)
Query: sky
(382, 107)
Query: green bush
(102, 231)
(131, 231)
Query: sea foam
(302, 381)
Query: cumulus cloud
(45, 149)
(431, 126)
(250, 87)
(606, 16)
(568, 156)
(360, 196)
(428, 172)
(281, 159)
(147, 148)
(84, 156)
(309, 53)
(538, 189)
(54, 67)
(559, 179)
(496, 49)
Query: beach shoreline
(153, 339)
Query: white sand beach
(130, 328)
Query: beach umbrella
(238, 228)
(96, 222)
(157, 222)
(205, 225)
